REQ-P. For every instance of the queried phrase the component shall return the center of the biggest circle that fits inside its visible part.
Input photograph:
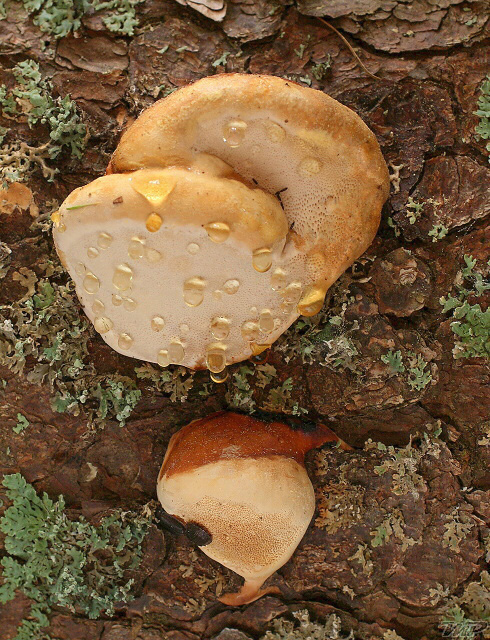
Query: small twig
(350, 47)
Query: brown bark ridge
(402, 526)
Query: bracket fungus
(243, 481)
(228, 210)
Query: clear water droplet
(275, 132)
(278, 280)
(92, 252)
(152, 255)
(309, 167)
(218, 231)
(231, 286)
(61, 228)
(194, 291)
(220, 377)
(292, 292)
(312, 302)
(104, 240)
(157, 323)
(193, 248)
(91, 283)
(123, 277)
(125, 341)
(153, 222)
(176, 352)
(220, 327)
(129, 304)
(218, 294)
(136, 249)
(98, 307)
(103, 324)
(234, 132)
(163, 358)
(216, 357)
(116, 300)
(80, 269)
(266, 321)
(250, 330)
(262, 259)
(184, 328)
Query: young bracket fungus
(228, 210)
(244, 482)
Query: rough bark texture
(431, 59)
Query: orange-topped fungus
(228, 210)
(244, 482)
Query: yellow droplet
(257, 349)
(163, 358)
(250, 330)
(92, 252)
(80, 269)
(278, 280)
(61, 228)
(123, 277)
(220, 327)
(116, 300)
(193, 248)
(103, 325)
(220, 377)
(194, 291)
(136, 249)
(292, 292)
(153, 222)
(216, 357)
(98, 307)
(309, 167)
(275, 132)
(312, 302)
(91, 283)
(56, 218)
(104, 240)
(176, 352)
(266, 321)
(153, 186)
(262, 259)
(129, 304)
(234, 132)
(152, 255)
(157, 323)
(125, 341)
(231, 286)
(217, 231)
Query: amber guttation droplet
(125, 341)
(56, 219)
(217, 231)
(103, 325)
(136, 249)
(250, 330)
(275, 132)
(258, 349)
(153, 222)
(216, 357)
(312, 302)
(266, 321)
(220, 327)
(193, 248)
(262, 259)
(157, 323)
(220, 377)
(231, 286)
(309, 167)
(194, 291)
(91, 283)
(292, 292)
(176, 352)
(234, 132)
(92, 252)
(116, 300)
(129, 304)
(152, 186)
(104, 240)
(163, 358)
(98, 307)
(152, 255)
(278, 280)
(123, 277)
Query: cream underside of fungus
(257, 511)
(185, 255)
